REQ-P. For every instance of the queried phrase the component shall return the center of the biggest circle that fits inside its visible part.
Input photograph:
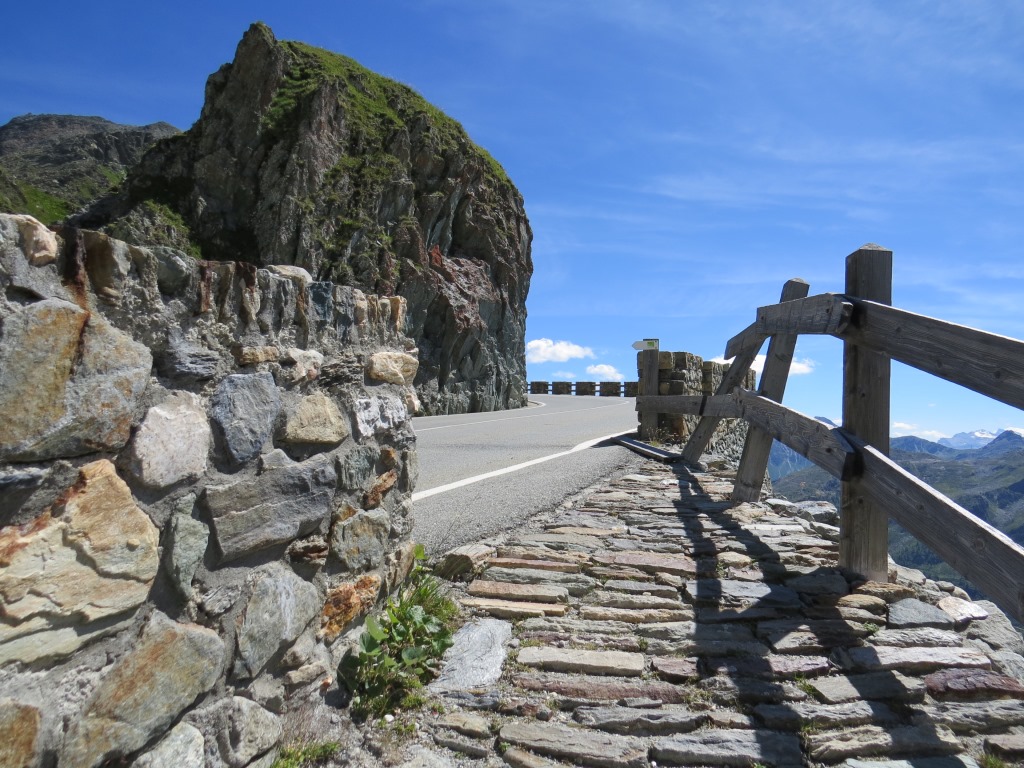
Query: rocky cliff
(303, 157)
(54, 165)
(205, 480)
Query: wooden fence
(873, 486)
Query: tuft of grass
(399, 650)
(305, 756)
(988, 760)
(44, 206)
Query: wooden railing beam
(987, 363)
(986, 556)
(815, 441)
(757, 446)
(827, 313)
(722, 406)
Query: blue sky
(679, 160)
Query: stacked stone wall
(683, 373)
(206, 473)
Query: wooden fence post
(648, 386)
(754, 462)
(863, 524)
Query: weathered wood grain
(988, 557)
(863, 526)
(827, 313)
(987, 363)
(722, 406)
(757, 446)
(825, 446)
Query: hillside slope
(987, 481)
(304, 157)
(53, 165)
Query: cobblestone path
(654, 623)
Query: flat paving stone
(916, 659)
(912, 613)
(864, 602)
(521, 758)
(652, 563)
(791, 717)
(961, 611)
(973, 717)
(587, 530)
(954, 761)
(870, 740)
(597, 688)
(570, 541)
(456, 744)
(771, 667)
(518, 552)
(972, 684)
(576, 583)
(540, 565)
(890, 593)
(630, 616)
(730, 747)
(910, 638)
(530, 593)
(575, 626)
(510, 609)
(476, 657)
(731, 592)
(618, 663)
(873, 686)
(467, 723)
(579, 745)
(640, 722)
(632, 600)
(675, 669)
(1009, 745)
(641, 587)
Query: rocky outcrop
(54, 165)
(205, 480)
(303, 157)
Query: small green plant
(871, 628)
(991, 761)
(398, 651)
(305, 756)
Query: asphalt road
(555, 438)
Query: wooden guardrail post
(648, 386)
(863, 526)
(754, 461)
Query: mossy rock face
(302, 156)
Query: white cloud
(605, 372)
(563, 375)
(548, 351)
(796, 368)
(902, 429)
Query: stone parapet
(206, 473)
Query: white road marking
(512, 418)
(515, 467)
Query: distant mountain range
(987, 480)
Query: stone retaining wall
(683, 373)
(205, 478)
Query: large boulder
(303, 158)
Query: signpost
(648, 349)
